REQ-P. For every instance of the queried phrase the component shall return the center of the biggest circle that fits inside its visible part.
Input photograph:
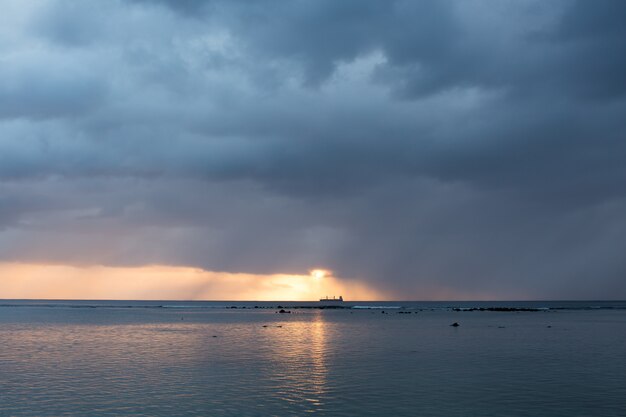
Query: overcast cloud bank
(419, 146)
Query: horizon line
(313, 301)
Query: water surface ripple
(69, 361)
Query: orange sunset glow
(169, 282)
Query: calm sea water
(85, 358)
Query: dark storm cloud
(470, 146)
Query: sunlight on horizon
(320, 273)
(174, 283)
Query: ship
(338, 300)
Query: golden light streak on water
(298, 364)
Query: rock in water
(455, 324)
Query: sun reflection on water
(299, 361)
(319, 367)
(115, 358)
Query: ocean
(164, 358)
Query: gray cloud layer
(468, 145)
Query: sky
(223, 149)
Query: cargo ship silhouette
(339, 300)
